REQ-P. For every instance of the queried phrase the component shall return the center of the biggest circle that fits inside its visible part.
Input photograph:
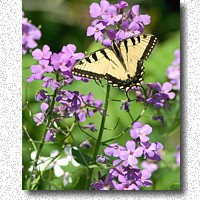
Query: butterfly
(121, 64)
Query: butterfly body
(121, 65)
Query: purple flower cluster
(69, 104)
(162, 95)
(30, 34)
(55, 70)
(57, 63)
(173, 71)
(125, 174)
(157, 94)
(111, 22)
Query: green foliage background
(66, 21)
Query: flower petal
(146, 129)
(132, 160)
(135, 9)
(58, 171)
(130, 145)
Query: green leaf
(175, 186)
(93, 166)
(81, 158)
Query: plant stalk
(98, 142)
(33, 173)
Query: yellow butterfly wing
(121, 65)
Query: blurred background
(61, 19)
(65, 22)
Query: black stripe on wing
(149, 47)
(87, 74)
(139, 39)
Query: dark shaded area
(67, 22)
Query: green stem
(98, 142)
(33, 173)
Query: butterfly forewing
(95, 65)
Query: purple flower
(131, 153)
(98, 104)
(39, 118)
(69, 51)
(103, 185)
(78, 105)
(97, 10)
(140, 131)
(118, 171)
(68, 78)
(111, 36)
(177, 57)
(121, 4)
(96, 30)
(61, 111)
(131, 172)
(91, 127)
(90, 101)
(102, 159)
(137, 25)
(30, 34)
(173, 71)
(44, 54)
(60, 61)
(81, 78)
(113, 150)
(86, 144)
(163, 94)
(81, 115)
(50, 82)
(69, 98)
(143, 177)
(126, 186)
(151, 150)
(125, 105)
(127, 30)
(41, 95)
(111, 17)
(149, 165)
(39, 70)
(145, 19)
(44, 107)
(113, 23)
(50, 135)
(165, 89)
(177, 155)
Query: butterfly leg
(99, 82)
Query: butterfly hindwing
(121, 65)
